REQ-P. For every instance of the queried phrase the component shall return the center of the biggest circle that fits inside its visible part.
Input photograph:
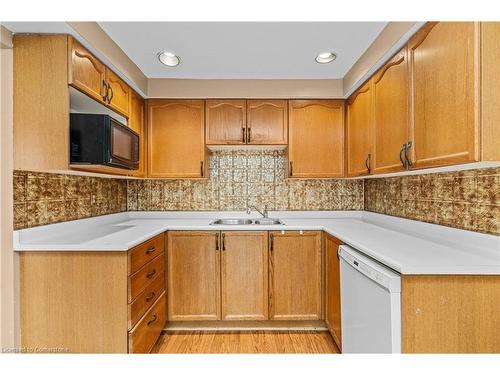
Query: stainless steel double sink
(260, 221)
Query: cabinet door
(85, 72)
(193, 277)
(332, 288)
(267, 122)
(316, 138)
(176, 146)
(295, 276)
(390, 120)
(118, 93)
(359, 120)
(137, 122)
(244, 276)
(442, 59)
(226, 122)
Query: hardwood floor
(246, 342)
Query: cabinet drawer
(143, 253)
(145, 299)
(142, 338)
(138, 281)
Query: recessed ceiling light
(168, 58)
(325, 57)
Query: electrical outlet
(92, 199)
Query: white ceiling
(244, 50)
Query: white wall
(8, 317)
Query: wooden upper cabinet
(332, 289)
(359, 122)
(267, 122)
(316, 138)
(193, 276)
(244, 275)
(490, 91)
(118, 97)
(85, 72)
(295, 275)
(444, 81)
(137, 122)
(226, 122)
(390, 120)
(176, 147)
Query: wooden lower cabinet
(295, 275)
(76, 302)
(244, 276)
(332, 289)
(193, 276)
(450, 313)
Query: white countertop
(406, 246)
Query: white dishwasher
(370, 300)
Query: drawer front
(143, 253)
(145, 300)
(144, 335)
(138, 281)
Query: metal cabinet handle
(150, 296)
(291, 169)
(112, 93)
(271, 242)
(403, 162)
(407, 158)
(217, 240)
(367, 163)
(202, 170)
(105, 87)
(244, 135)
(151, 273)
(153, 320)
(151, 250)
(249, 135)
(223, 242)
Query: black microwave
(102, 140)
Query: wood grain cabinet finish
(444, 79)
(332, 289)
(244, 265)
(359, 124)
(295, 287)
(225, 122)
(77, 300)
(137, 122)
(118, 93)
(142, 338)
(176, 138)
(193, 276)
(390, 119)
(85, 72)
(267, 122)
(316, 138)
(450, 313)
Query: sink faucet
(264, 214)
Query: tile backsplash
(46, 198)
(465, 199)
(238, 179)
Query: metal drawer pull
(105, 95)
(223, 241)
(112, 93)
(150, 296)
(153, 320)
(243, 132)
(217, 241)
(151, 274)
(249, 134)
(367, 163)
(150, 250)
